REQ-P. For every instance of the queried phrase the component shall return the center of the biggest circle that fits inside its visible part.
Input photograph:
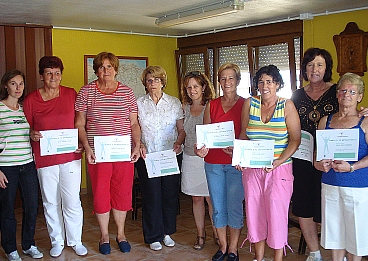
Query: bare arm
(293, 127)
(136, 136)
(202, 152)
(3, 180)
(244, 120)
(181, 136)
(80, 124)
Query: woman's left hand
(228, 151)
(363, 112)
(3, 180)
(340, 166)
(177, 147)
(324, 165)
(35, 135)
(275, 164)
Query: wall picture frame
(129, 73)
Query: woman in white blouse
(161, 119)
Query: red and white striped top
(106, 114)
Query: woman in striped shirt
(17, 169)
(268, 190)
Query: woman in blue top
(345, 184)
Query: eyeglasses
(351, 92)
(156, 80)
(194, 73)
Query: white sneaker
(56, 250)
(80, 250)
(313, 258)
(168, 241)
(13, 256)
(156, 246)
(33, 252)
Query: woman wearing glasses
(345, 184)
(196, 91)
(161, 119)
(106, 107)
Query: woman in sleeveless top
(345, 183)
(268, 190)
(196, 90)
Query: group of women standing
(158, 122)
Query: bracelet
(351, 168)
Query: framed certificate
(337, 144)
(161, 163)
(58, 141)
(112, 148)
(253, 153)
(215, 135)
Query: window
(249, 48)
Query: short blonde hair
(353, 79)
(229, 66)
(157, 72)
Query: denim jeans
(25, 178)
(226, 193)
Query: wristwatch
(351, 168)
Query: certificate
(215, 135)
(112, 148)
(161, 163)
(58, 141)
(305, 150)
(337, 144)
(253, 153)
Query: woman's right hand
(3, 180)
(323, 165)
(202, 152)
(143, 150)
(35, 135)
(90, 156)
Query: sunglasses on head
(194, 73)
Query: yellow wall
(319, 32)
(71, 46)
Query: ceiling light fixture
(200, 12)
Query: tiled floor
(184, 237)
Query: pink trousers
(267, 197)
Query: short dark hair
(50, 62)
(309, 56)
(4, 81)
(270, 70)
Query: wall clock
(351, 47)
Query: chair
(136, 198)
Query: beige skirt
(193, 180)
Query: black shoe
(233, 257)
(104, 248)
(219, 256)
(124, 246)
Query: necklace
(271, 109)
(315, 115)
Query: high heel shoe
(197, 244)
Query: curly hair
(270, 70)
(203, 81)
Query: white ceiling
(138, 16)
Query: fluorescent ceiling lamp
(200, 12)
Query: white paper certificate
(337, 144)
(253, 153)
(161, 163)
(112, 148)
(305, 150)
(215, 135)
(58, 141)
